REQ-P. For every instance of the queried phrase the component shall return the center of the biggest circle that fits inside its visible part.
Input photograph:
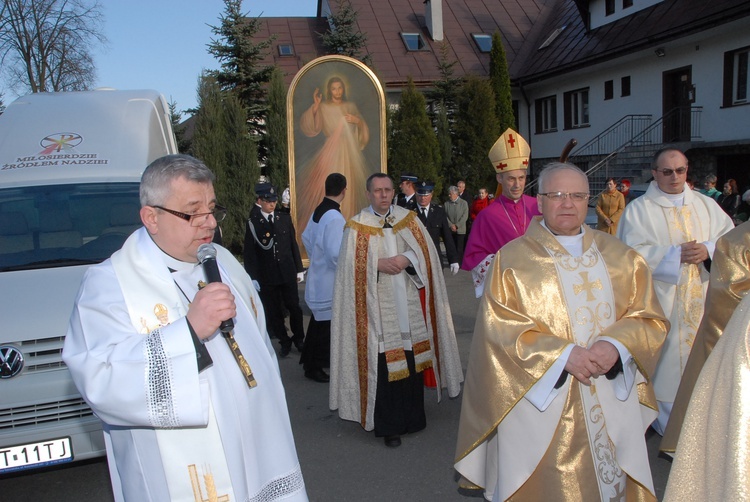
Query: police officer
(433, 217)
(272, 259)
(407, 196)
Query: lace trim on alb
(280, 487)
(159, 383)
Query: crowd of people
(583, 338)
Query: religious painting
(336, 124)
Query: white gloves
(301, 277)
(454, 268)
(257, 286)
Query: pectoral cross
(587, 286)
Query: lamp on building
(660, 52)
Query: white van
(70, 166)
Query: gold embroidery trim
(360, 310)
(429, 298)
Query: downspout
(528, 113)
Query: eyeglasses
(198, 219)
(558, 196)
(669, 172)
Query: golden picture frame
(335, 123)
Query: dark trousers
(317, 351)
(399, 405)
(458, 241)
(274, 298)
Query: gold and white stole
(687, 310)
(587, 292)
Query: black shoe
(392, 441)
(318, 375)
(299, 345)
(285, 350)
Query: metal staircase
(625, 149)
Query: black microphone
(207, 257)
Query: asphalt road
(340, 461)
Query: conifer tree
(475, 133)
(413, 146)
(241, 59)
(446, 88)
(500, 79)
(344, 36)
(277, 161)
(221, 141)
(175, 116)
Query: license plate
(26, 456)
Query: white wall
(597, 9)
(704, 53)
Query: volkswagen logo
(11, 361)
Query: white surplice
(173, 433)
(655, 225)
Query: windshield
(65, 225)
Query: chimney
(434, 18)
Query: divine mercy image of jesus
(332, 135)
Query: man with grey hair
(675, 229)
(554, 401)
(188, 409)
(457, 212)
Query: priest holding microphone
(167, 343)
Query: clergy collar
(678, 199)
(573, 244)
(177, 265)
(173, 263)
(380, 215)
(508, 200)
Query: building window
(609, 89)
(413, 41)
(576, 108)
(483, 41)
(627, 3)
(625, 86)
(546, 114)
(609, 7)
(286, 50)
(736, 77)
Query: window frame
(737, 68)
(545, 110)
(283, 53)
(576, 108)
(483, 36)
(421, 44)
(625, 86)
(609, 90)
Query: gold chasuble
(587, 442)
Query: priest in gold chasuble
(557, 394)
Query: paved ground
(340, 461)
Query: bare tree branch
(46, 45)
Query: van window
(65, 225)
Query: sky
(161, 44)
